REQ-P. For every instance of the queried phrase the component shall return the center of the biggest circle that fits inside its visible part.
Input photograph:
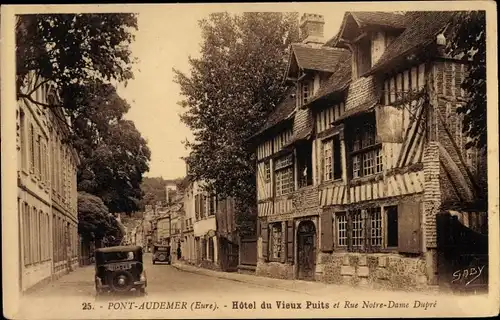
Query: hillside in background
(154, 190)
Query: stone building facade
(357, 164)
(201, 243)
(47, 196)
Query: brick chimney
(311, 28)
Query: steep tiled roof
(381, 19)
(423, 27)
(319, 59)
(283, 111)
(367, 19)
(337, 81)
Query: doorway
(306, 250)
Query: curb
(202, 272)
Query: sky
(167, 36)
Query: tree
(82, 55)
(71, 51)
(230, 91)
(95, 223)
(114, 155)
(468, 39)
(154, 190)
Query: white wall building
(47, 195)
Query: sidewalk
(79, 282)
(305, 287)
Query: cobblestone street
(188, 284)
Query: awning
(356, 111)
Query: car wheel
(154, 262)
(121, 281)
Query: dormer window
(305, 93)
(363, 56)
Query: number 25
(86, 306)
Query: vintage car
(120, 269)
(161, 253)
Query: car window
(118, 256)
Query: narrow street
(176, 291)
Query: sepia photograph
(266, 160)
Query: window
(363, 56)
(341, 229)
(39, 157)
(381, 229)
(40, 228)
(26, 234)
(32, 149)
(211, 249)
(327, 160)
(23, 140)
(197, 206)
(203, 206)
(332, 166)
(212, 202)
(267, 171)
(366, 155)
(357, 229)
(304, 162)
(283, 172)
(375, 226)
(53, 162)
(391, 214)
(54, 238)
(305, 92)
(203, 249)
(276, 241)
(47, 233)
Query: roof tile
(319, 59)
(337, 81)
(423, 27)
(381, 19)
(284, 110)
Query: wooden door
(306, 250)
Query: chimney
(311, 29)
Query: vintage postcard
(257, 160)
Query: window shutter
(409, 233)
(264, 233)
(326, 231)
(284, 241)
(290, 232)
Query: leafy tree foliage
(95, 223)
(228, 94)
(468, 38)
(114, 155)
(73, 50)
(82, 55)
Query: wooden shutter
(409, 231)
(290, 232)
(264, 233)
(349, 229)
(326, 241)
(284, 242)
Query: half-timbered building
(356, 167)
